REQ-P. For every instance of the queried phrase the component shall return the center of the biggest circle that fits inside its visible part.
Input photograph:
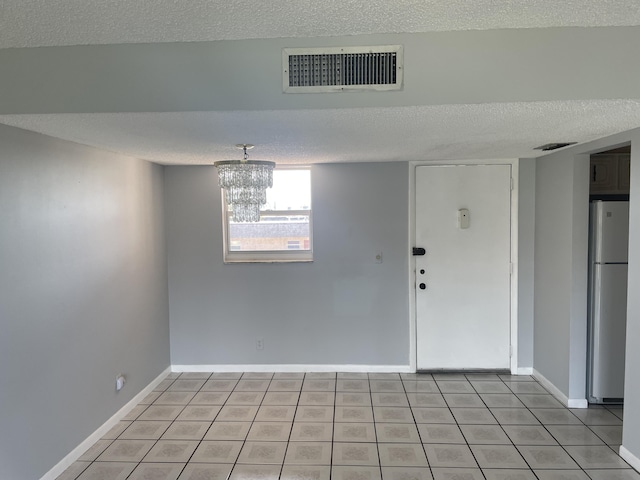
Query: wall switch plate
(120, 381)
(259, 344)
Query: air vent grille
(340, 69)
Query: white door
(463, 295)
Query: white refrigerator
(608, 248)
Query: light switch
(464, 219)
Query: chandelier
(245, 184)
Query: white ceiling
(427, 132)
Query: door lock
(423, 286)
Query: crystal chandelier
(245, 184)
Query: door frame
(413, 324)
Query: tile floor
(356, 426)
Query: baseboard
(525, 371)
(77, 452)
(294, 368)
(561, 397)
(630, 458)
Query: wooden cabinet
(609, 173)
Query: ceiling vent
(342, 69)
(554, 146)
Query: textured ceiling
(486, 131)
(34, 23)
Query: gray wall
(526, 252)
(83, 293)
(341, 309)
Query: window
(284, 232)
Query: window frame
(269, 256)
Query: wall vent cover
(340, 69)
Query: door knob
(423, 286)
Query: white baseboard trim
(561, 397)
(525, 371)
(77, 452)
(630, 458)
(294, 368)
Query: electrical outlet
(120, 381)
(259, 343)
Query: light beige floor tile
(353, 399)
(406, 473)
(126, 451)
(174, 398)
(457, 474)
(281, 398)
(308, 453)
(517, 378)
(384, 376)
(311, 432)
(389, 400)
(219, 385)
(157, 471)
(318, 385)
(355, 473)
(161, 412)
(226, 376)
(201, 471)
(473, 416)
(595, 457)
(490, 386)
(353, 376)
(458, 456)
(416, 376)
(186, 385)
(95, 450)
(317, 398)
(255, 472)
(547, 457)
(234, 413)
(195, 375)
(397, 433)
(145, 430)
(171, 451)
(245, 398)
(173, 375)
(355, 454)
(591, 416)
(611, 434)
(305, 472)
(485, 435)
(108, 471)
(320, 376)
(228, 431)
(562, 475)
(263, 453)
(426, 400)
(289, 376)
(393, 415)
(209, 398)
(202, 413)
(354, 432)
(508, 474)
(135, 412)
(574, 435)
(464, 400)
(538, 401)
(514, 416)
(433, 415)
(257, 375)
(402, 455)
(353, 414)
(74, 470)
(498, 456)
(440, 433)
(285, 385)
(527, 387)
(164, 384)
(217, 452)
(420, 386)
(386, 386)
(252, 385)
(312, 413)
(186, 431)
(613, 474)
(555, 416)
(149, 399)
(352, 385)
(504, 400)
(117, 430)
(529, 435)
(269, 431)
(460, 377)
(447, 386)
(276, 413)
